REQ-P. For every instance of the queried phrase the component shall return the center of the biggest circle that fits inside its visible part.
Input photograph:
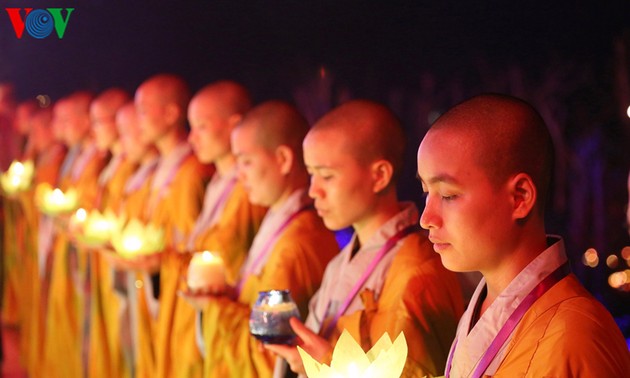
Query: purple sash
(267, 248)
(509, 326)
(389, 244)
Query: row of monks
(242, 183)
(262, 189)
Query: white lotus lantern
(98, 229)
(385, 359)
(55, 201)
(18, 177)
(136, 239)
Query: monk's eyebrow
(440, 178)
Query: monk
(228, 221)
(485, 166)
(65, 310)
(140, 153)
(104, 352)
(289, 252)
(387, 279)
(135, 196)
(49, 153)
(17, 149)
(174, 203)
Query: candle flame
(80, 215)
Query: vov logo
(39, 23)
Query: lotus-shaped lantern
(18, 177)
(136, 239)
(350, 361)
(98, 229)
(54, 201)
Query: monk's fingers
(300, 329)
(285, 351)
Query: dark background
(419, 57)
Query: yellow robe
(133, 205)
(66, 303)
(176, 354)
(566, 333)
(296, 262)
(232, 235)
(13, 223)
(420, 298)
(105, 353)
(33, 327)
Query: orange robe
(419, 298)
(232, 234)
(137, 345)
(566, 333)
(414, 294)
(32, 330)
(67, 296)
(13, 223)
(175, 208)
(105, 353)
(296, 262)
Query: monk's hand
(149, 263)
(316, 346)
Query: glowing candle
(99, 228)
(17, 169)
(57, 197)
(57, 202)
(132, 243)
(77, 220)
(135, 239)
(385, 359)
(206, 272)
(18, 177)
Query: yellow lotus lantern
(136, 239)
(385, 359)
(54, 201)
(98, 229)
(18, 177)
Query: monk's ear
(523, 194)
(382, 173)
(234, 120)
(285, 158)
(172, 113)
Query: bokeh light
(590, 258)
(612, 261)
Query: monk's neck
(170, 141)
(499, 276)
(225, 164)
(375, 219)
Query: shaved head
(167, 89)
(80, 102)
(275, 124)
(73, 115)
(229, 96)
(508, 137)
(369, 130)
(109, 101)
